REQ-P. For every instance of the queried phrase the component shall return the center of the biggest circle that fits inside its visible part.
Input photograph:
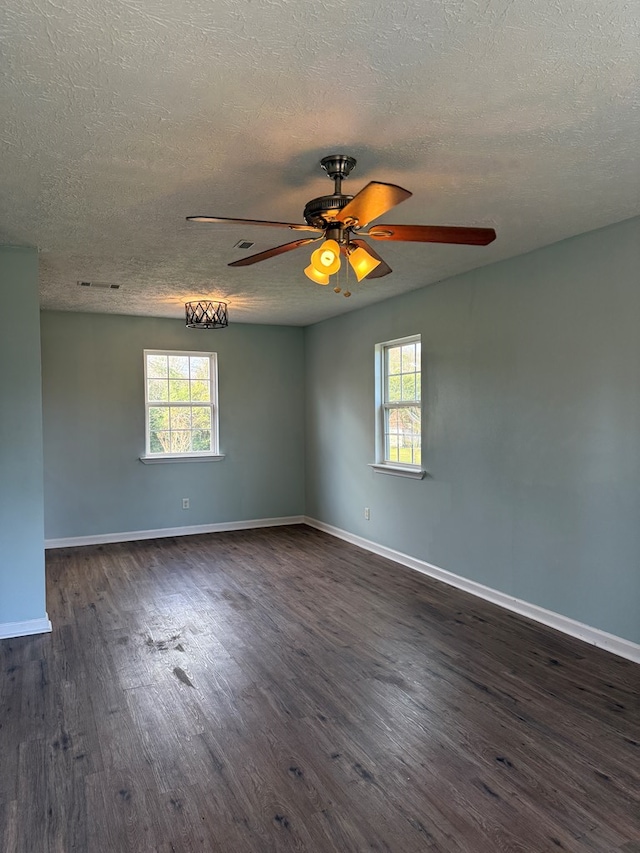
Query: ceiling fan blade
(271, 253)
(383, 267)
(372, 201)
(434, 234)
(292, 225)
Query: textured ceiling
(118, 118)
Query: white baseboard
(594, 636)
(164, 532)
(25, 629)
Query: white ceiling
(118, 118)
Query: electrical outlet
(185, 503)
(367, 513)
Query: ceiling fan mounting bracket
(338, 165)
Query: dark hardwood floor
(280, 690)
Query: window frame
(382, 405)
(212, 405)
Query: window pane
(159, 442)
(158, 390)
(394, 389)
(158, 418)
(418, 386)
(201, 439)
(409, 386)
(199, 367)
(201, 418)
(403, 435)
(409, 419)
(181, 441)
(409, 358)
(200, 391)
(393, 360)
(179, 366)
(180, 417)
(179, 390)
(157, 367)
(405, 453)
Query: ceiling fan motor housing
(324, 209)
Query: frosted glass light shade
(362, 262)
(312, 273)
(326, 259)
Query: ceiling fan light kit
(338, 219)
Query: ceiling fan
(338, 219)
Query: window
(399, 406)
(181, 404)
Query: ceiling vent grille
(103, 285)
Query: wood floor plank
(31, 830)
(9, 824)
(117, 816)
(281, 690)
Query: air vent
(103, 285)
(243, 244)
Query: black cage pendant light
(206, 315)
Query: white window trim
(181, 457)
(416, 472)
(212, 455)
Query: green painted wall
(22, 583)
(532, 426)
(93, 403)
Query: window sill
(410, 471)
(182, 457)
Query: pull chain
(347, 292)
